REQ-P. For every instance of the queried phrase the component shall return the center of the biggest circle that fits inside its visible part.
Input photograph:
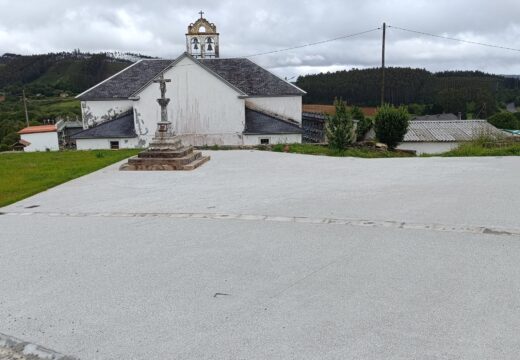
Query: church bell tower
(202, 39)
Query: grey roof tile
(243, 74)
(251, 78)
(449, 130)
(119, 127)
(126, 83)
(260, 123)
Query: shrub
(4, 147)
(391, 125)
(363, 124)
(504, 120)
(340, 127)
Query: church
(214, 101)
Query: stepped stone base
(166, 154)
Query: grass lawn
(26, 174)
(476, 148)
(310, 149)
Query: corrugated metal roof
(449, 130)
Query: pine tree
(340, 127)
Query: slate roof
(125, 83)
(261, 123)
(120, 127)
(446, 131)
(251, 78)
(243, 74)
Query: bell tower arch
(202, 39)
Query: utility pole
(383, 67)
(25, 107)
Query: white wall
(104, 144)
(287, 106)
(273, 139)
(203, 109)
(428, 147)
(41, 141)
(96, 112)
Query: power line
(314, 43)
(454, 39)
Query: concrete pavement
(242, 260)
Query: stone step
(166, 154)
(178, 162)
(197, 163)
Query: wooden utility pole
(383, 67)
(25, 107)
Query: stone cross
(201, 13)
(164, 126)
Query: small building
(438, 136)
(66, 129)
(20, 145)
(40, 138)
(118, 133)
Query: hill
(45, 77)
(53, 73)
(468, 92)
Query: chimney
(460, 115)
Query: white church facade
(214, 101)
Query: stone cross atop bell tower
(202, 39)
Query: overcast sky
(158, 27)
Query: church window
(114, 145)
(202, 29)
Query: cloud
(157, 28)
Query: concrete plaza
(260, 255)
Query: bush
(4, 147)
(391, 125)
(340, 127)
(504, 120)
(363, 124)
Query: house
(437, 136)
(213, 101)
(39, 138)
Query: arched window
(210, 44)
(195, 44)
(202, 29)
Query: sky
(158, 27)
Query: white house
(214, 101)
(40, 138)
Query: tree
(391, 124)
(505, 120)
(340, 127)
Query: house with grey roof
(438, 136)
(214, 101)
